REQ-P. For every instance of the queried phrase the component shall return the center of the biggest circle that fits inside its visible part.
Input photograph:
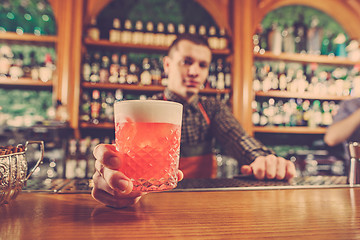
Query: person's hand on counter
(112, 187)
(270, 167)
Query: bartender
(204, 118)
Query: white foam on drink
(158, 111)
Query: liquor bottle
(314, 37)
(123, 69)
(192, 29)
(145, 76)
(170, 34)
(220, 76)
(213, 39)
(211, 80)
(95, 107)
(115, 32)
(255, 112)
(104, 70)
(299, 116)
(223, 41)
(326, 116)
(119, 95)
(6, 57)
(181, 28)
(160, 35)
(138, 34)
(85, 107)
(86, 68)
(93, 31)
(126, 34)
(109, 109)
(227, 72)
(149, 34)
(275, 39)
(133, 74)
(155, 72)
(202, 30)
(95, 68)
(16, 70)
(34, 72)
(288, 39)
(25, 20)
(102, 116)
(326, 44)
(300, 32)
(114, 68)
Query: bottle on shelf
(155, 72)
(181, 28)
(220, 76)
(149, 34)
(109, 108)
(159, 39)
(202, 30)
(93, 31)
(145, 76)
(71, 159)
(138, 34)
(192, 29)
(133, 74)
(85, 107)
(104, 69)
(223, 41)
(211, 80)
(114, 68)
(288, 39)
(275, 39)
(115, 32)
(6, 58)
(314, 37)
(213, 39)
(126, 34)
(123, 69)
(227, 72)
(95, 68)
(86, 68)
(300, 33)
(16, 69)
(170, 34)
(95, 107)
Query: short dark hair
(194, 38)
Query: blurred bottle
(223, 41)
(145, 76)
(6, 58)
(114, 68)
(124, 69)
(181, 28)
(71, 160)
(133, 74)
(155, 72)
(95, 107)
(16, 69)
(314, 37)
(93, 31)
(275, 39)
(149, 34)
(220, 76)
(211, 80)
(115, 32)
(85, 107)
(86, 68)
(126, 34)
(159, 39)
(227, 72)
(170, 34)
(104, 70)
(300, 33)
(95, 68)
(109, 109)
(288, 39)
(138, 34)
(213, 38)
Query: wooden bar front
(324, 213)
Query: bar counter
(288, 213)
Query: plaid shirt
(223, 127)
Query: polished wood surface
(327, 213)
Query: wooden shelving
(141, 88)
(305, 58)
(295, 130)
(304, 95)
(28, 82)
(140, 47)
(11, 36)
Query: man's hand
(270, 167)
(112, 187)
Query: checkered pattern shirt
(223, 127)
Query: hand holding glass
(147, 134)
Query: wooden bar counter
(314, 213)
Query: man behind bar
(204, 118)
